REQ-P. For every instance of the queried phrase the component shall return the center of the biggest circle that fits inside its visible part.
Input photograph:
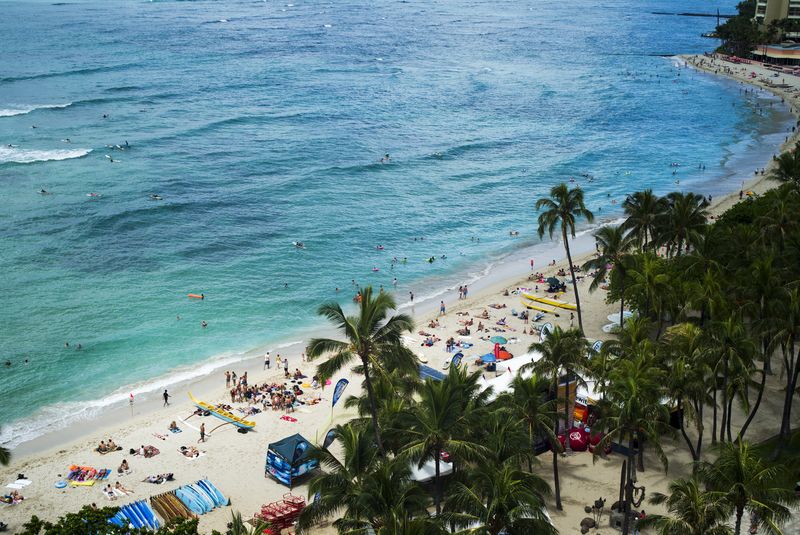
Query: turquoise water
(263, 123)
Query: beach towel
(288, 418)
(176, 430)
(15, 486)
(159, 435)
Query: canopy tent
(289, 459)
(428, 470)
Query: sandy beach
(234, 462)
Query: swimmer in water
(44, 192)
(203, 324)
(110, 159)
(66, 140)
(156, 197)
(385, 158)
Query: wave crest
(23, 110)
(17, 155)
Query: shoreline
(482, 276)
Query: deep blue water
(263, 122)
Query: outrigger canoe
(551, 302)
(533, 306)
(222, 414)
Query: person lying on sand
(14, 498)
(464, 332)
(484, 314)
(118, 487)
(159, 479)
(109, 492)
(191, 452)
(497, 306)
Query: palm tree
(734, 353)
(745, 482)
(787, 335)
(528, 402)
(371, 489)
(614, 244)
(788, 167)
(499, 498)
(649, 285)
(238, 526)
(644, 210)
(693, 511)
(5, 456)
(564, 207)
(438, 423)
(372, 336)
(778, 222)
(564, 354)
(685, 220)
(688, 372)
(633, 414)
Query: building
(785, 54)
(769, 10)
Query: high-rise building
(769, 10)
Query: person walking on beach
(202, 432)
(286, 367)
(166, 397)
(411, 295)
(571, 319)
(227, 379)
(266, 361)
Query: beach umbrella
(488, 357)
(552, 281)
(498, 340)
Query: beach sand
(234, 462)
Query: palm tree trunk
(730, 418)
(700, 431)
(567, 446)
(724, 399)
(626, 509)
(714, 424)
(437, 493)
(556, 482)
(739, 513)
(574, 281)
(622, 300)
(757, 403)
(791, 386)
(683, 432)
(373, 409)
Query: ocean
(262, 123)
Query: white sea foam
(61, 415)
(24, 109)
(18, 155)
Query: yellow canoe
(535, 307)
(222, 414)
(551, 302)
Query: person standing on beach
(465, 291)
(286, 367)
(442, 309)
(166, 397)
(202, 432)
(411, 295)
(227, 379)
(266, 361)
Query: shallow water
(263, 123)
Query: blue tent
(289, 459)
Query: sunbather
(109, 492)
(118, 487)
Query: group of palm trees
(716, 305)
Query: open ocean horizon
(262, 123)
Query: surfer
(203, 324)
(299, 244)
(110, 159)
(156, 197)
